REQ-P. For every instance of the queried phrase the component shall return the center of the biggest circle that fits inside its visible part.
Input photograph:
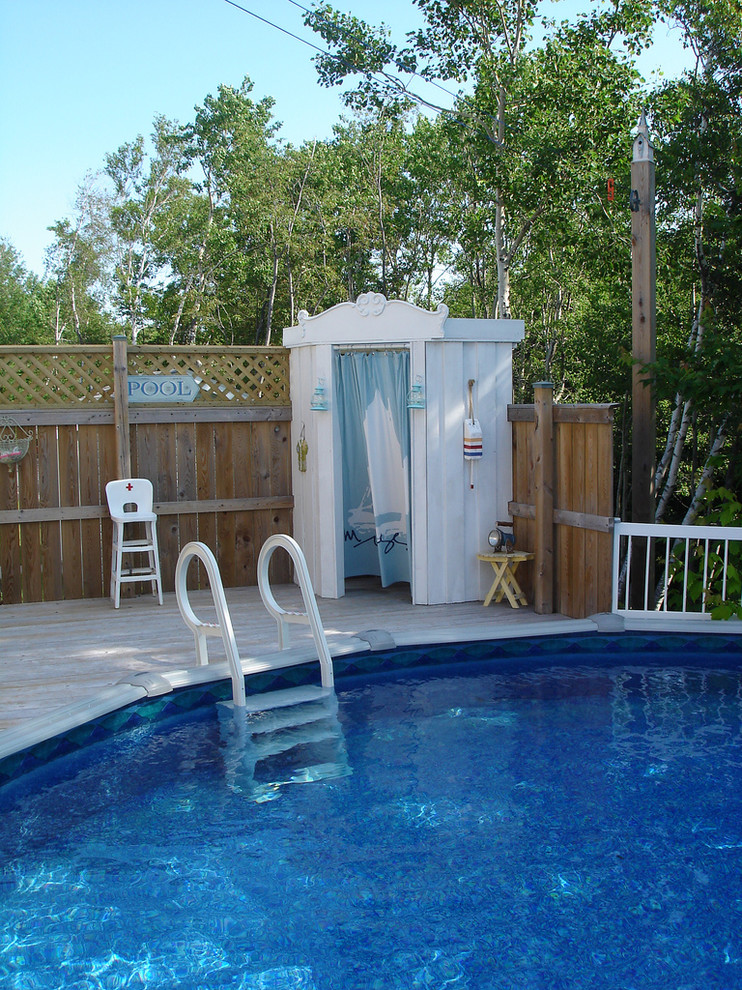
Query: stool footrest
(138, 573)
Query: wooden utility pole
(644, 325)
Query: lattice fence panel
(60, 376)
(258, 376)
(38, 377)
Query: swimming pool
(535, 814)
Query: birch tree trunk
(666, 475)
(708, 472)
(272, 292)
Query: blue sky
(80, 77)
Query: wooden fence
(221, 470)
(563, 502)
(220, 465)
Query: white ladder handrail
(222, 627)
(283, 617)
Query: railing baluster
(615, 575)
(685, 576)
(667, 573)
(647, 572)
(703, 540)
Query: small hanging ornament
(14, 441)
(302, 449)
(472, 436)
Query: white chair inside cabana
(130, 502)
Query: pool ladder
(307, 736)
(223, 626)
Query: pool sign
(162, 388)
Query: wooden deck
(56, 654)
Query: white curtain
(372, 389)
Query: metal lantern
(501, 541)
(319, 397)
(416, 394)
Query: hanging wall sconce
(319, 397)
(416, 395)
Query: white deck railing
(684, 570)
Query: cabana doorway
(371, 388)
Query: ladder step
(282, 720)
(268, 701)
(275, 743)
(273, 710)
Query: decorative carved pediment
(372, 318)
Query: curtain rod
(370, 348)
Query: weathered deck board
(55, 653)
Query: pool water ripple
(468, 828)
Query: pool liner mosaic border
(597, 646)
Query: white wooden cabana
(448, 518)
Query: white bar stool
(130, 501)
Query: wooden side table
(505, 584)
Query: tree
(21, 300)
(531, 116)
(143, 189)
(429, 205)
(77, 269)
(247, 212)
(698, 123)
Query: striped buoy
(472, 439)
(472, 436)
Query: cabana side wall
(460, 517)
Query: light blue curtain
(371, 395)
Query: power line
(431, 82)
(296, 37)
(387, 77)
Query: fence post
(543, 453)
(121, 405)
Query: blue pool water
(565, 821)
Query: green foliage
(215, 231)
(697, 123)
(705, 585)
(711, 376)
(22, 300)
